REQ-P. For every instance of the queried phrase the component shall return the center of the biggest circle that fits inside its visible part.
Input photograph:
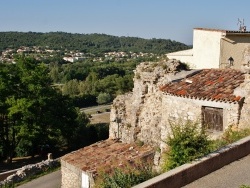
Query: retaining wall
(190, 172)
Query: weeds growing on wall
(127, 176)
(230, 136)
(187, 141)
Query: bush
(231, 136)
(126, 177)
(187, 141)
(103, 98)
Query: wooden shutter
(212, 118)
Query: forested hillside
(88, 43)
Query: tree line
(88, 43)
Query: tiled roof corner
(208, 84)
(105, 155)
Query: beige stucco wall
(206, 48)
(185, 56)
(235, 47)
(179, 108)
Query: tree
(103, 98)
(71, 88)
(31, 110)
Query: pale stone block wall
(71, 176)
(179, 108)
(244, 91)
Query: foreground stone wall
(71, 176)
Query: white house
(213, 48)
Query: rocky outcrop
(136, 116)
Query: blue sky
(166, 19)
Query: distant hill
(89, 43)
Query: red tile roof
(208, 84)
(105, 155)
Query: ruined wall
(144, 114)
(176, 109)
(244, 91)
(136, 116)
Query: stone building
(217, 98)
(81, 168)
(163, 91)
(212, 48)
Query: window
(212, 118)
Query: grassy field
(100, 118)
(99, 114)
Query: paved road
(52, 180)
(231, 176)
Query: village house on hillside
(218, 98)
(168, 91)
(162, 92)
(213, 48)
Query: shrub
(244, 186)
(187, 141)
(126, 177)
(103, 98)
(231, 136)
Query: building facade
(213, 48)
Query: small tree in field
(103, 98)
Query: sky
(161, 19)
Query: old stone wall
(28, 171)
(244, 91)
(71, 176)
(136, 116)
(176, 109)
(145, 114)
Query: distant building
(73, 59)
(214, 48)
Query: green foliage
(86, 134)
(88, 43)
(187, 141)
(103, 98)
(84, 100)
(244, 186)
(32, 112)
(230, 136)
(71, 88)
(126, 177)
(46, 171)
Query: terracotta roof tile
(106, 154)
(208, 84)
